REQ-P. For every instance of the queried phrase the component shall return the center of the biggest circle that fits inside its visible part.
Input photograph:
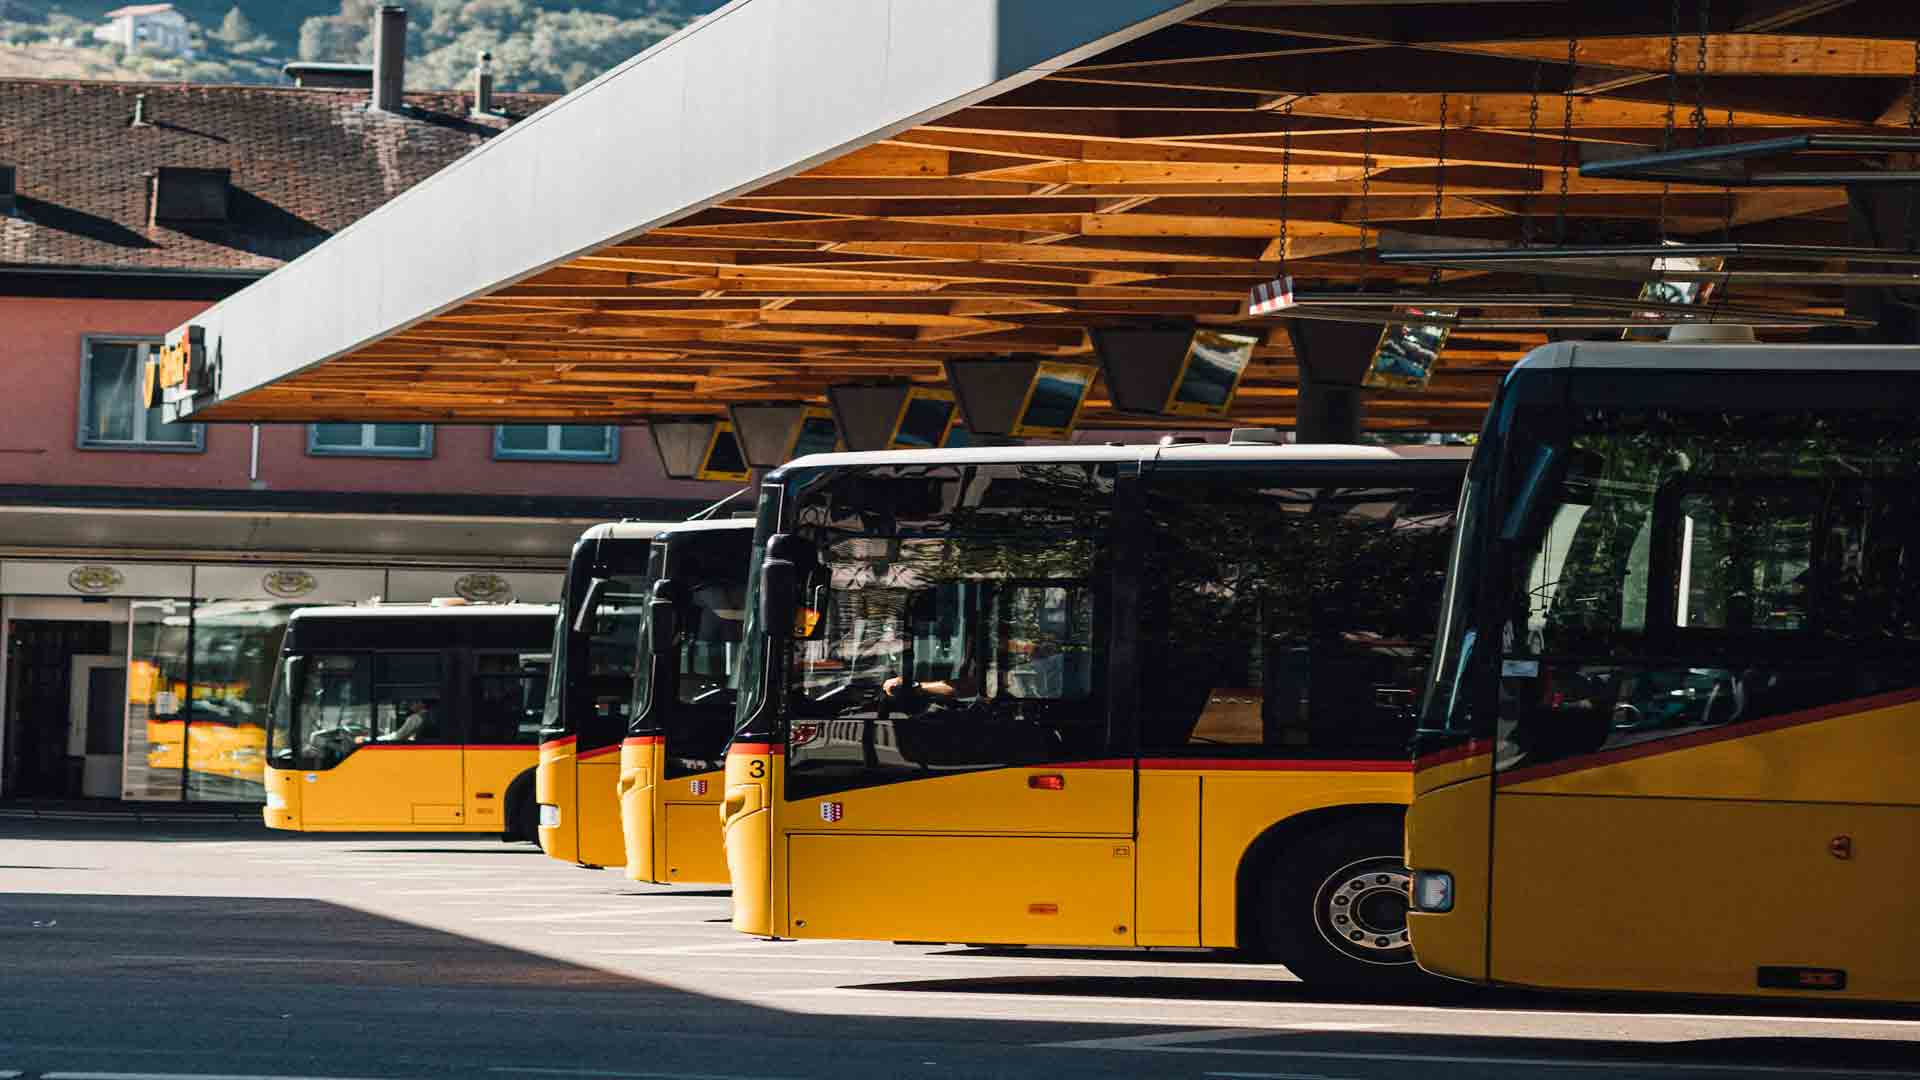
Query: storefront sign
(95, 580)
(289, 584)
(484, 588)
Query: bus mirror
(663, 629)
(778, 581)
(589, 604)
(1527, 502)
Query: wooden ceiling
(1147, 182)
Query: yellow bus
(408, 718)
(1090, 696)
(590, 693)
(1672, 738)
(673, 758)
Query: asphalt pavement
(215, 949)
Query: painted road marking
(188, 1076)
(1618, 1065)
(634, 1075)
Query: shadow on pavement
(205, 986)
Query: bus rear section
(591, 692)
(1671, 740)
(671, 764)
(1113, 696)
(409, 717)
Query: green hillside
(550, 45)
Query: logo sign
(289, 584)
(699, 786)
(831, 812)
(484, 588)
(181, 369)
(95, 580)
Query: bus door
(505, 704)
(1706, 694)
(383, 741)
(950, 774)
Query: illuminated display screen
(1407, 354)
(1212, 373)
(1054, 401)
(724, 459)
(818, 434)
(924, 424)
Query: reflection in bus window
(1289, 621)
(1697, 570)
(508, 689)
(961, 629)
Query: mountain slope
(550, 45)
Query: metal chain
(1533, 160)
(1566, 130)
(1440, 162)
(1366, 191)
(1286, 178)
(1913, 128)
(1726, 222)
(1699, 117)
(1673, 74)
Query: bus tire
(523, 817)
(1333, 908)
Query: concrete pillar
(1333, 358)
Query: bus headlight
(1432, 890)
(549, 816)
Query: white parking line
(186, 1076)
(632, 1075)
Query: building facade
(147, 569)
(147, 26)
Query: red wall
(40, 343)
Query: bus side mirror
(1530, 500)
(589, 604)
(779, 579)
(663, 615)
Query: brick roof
(305, 163)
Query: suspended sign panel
(682, 445)
(893, 416)
(1173, 368)
(724, 459)
(1407, 353)
(1023, 398)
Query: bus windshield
(960, 624)
(1687, 570)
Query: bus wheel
(1334, 908)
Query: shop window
(113, 411)
(370, 440)
(556, 442)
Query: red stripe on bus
(555, 744)
(1279, 764)
(643, 740)
(589, 755)
(1705, 738)
(1470, 748)
(748, 749)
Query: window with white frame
(113, 410)
(371, 440)
(556, 442)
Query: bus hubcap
(1362, 910)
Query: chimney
(389, 57)
(483, 85)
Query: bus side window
(505, 692)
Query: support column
(1333, 358)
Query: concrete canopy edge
(757, 91)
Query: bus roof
(725, 524)
(1245, 452)
(627, 530)
(1708, 356)
(453, 611)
